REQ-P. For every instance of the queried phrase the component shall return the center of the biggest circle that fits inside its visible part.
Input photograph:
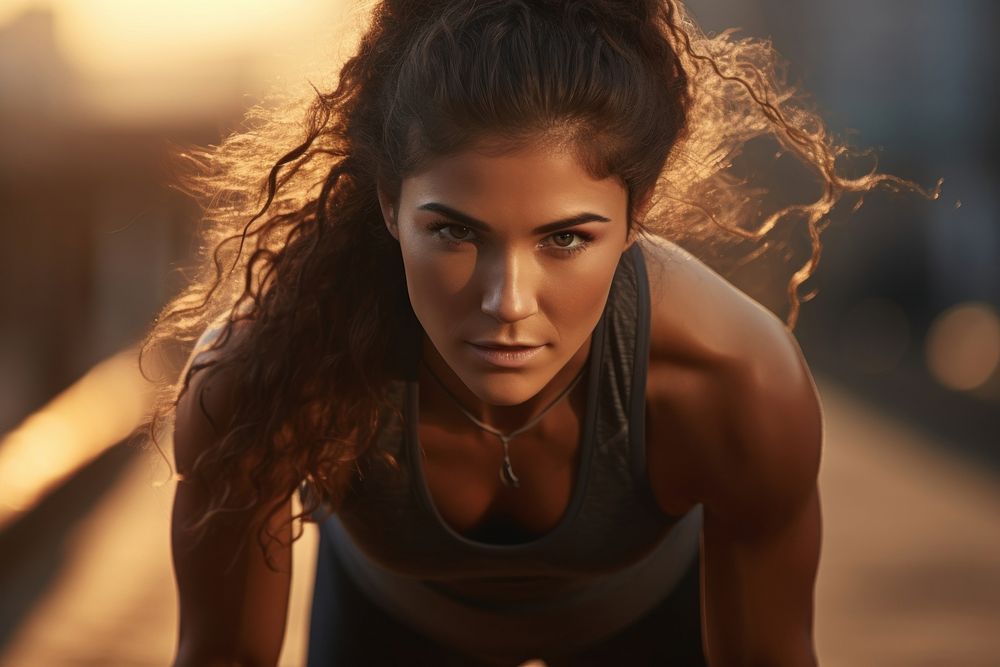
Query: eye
(461, 234)
(564, 239)
(450, 233)
(563, 242)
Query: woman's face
(513, 249)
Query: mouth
(504, 345)
(498, 346)
(507, 356)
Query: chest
(461, 464)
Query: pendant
(507, 475)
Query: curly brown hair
(297, 258)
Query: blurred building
(95, 236)
(90, 230)
(916, 81)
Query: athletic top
(612, 556)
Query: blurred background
(903, 336)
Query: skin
(507, 281)
(733, 416)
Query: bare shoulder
(205, 406)
(696, 307)
(206, 411)
(728, 382)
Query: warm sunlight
(161, 59)
(96, 412)
(115, 37)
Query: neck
(505, 418)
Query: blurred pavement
(910, 571)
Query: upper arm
(232, 605)
(762, 529)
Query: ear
(630, 239)
(639, 213)
(643, 205)
(388, 212)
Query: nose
(510, 290)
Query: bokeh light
(963, 346)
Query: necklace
(507, 475)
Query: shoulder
(208, 410)
(729, 379)
(205, 404)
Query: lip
(498, 343)
(506, 356)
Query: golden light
(154, 60)
(107, 37)
(96, 412)
(963, 346)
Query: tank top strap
(622, 421)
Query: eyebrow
(468, 221)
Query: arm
(228, 615)
(762, 531)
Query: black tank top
(610, 558)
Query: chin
(500, 388)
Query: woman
(529, 424)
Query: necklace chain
(507, 475)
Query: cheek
(435, 283)
(574, 304)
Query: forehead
(529, 178)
